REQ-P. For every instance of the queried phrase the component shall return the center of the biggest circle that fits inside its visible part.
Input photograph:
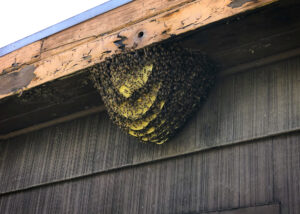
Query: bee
(151, 92)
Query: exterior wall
(241, 149)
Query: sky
(21, 18)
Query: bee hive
(151, 92)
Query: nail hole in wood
(141, 34)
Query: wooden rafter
(134, 25)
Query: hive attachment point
(151, 92)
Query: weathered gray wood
(265, 209)
(287, 173)
(245, 175)
(241, 107)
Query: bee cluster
(151, 92)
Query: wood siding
(244, 175)
(89, 166)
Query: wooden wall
(241, 149)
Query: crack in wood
(87, 57)
(119, 43)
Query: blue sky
(21, 18)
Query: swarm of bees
(151, 92)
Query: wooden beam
(106, 23)
(73, 55)
(25, 55)
(103, 24)
(53, 122)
